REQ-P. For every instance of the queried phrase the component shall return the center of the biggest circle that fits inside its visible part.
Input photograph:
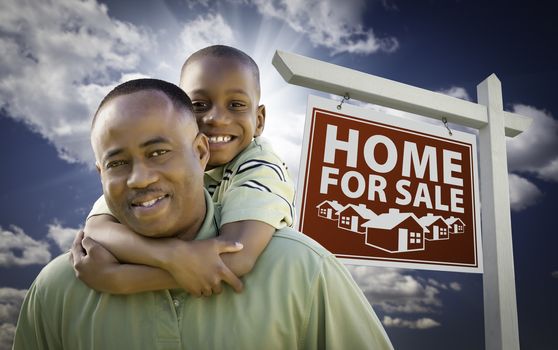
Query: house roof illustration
(391, 219)
(361, 210)
(451, 220)
(430, 218)
(334, 204)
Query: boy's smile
(225, 95)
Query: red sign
(376, 189)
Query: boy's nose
(215, 117)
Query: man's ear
(260, 120)
(201, 147)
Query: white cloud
(456, 91)
(523, 193)
(421, 323)
(536, 149)
(18, 249)
(10, 303)
(455, 286)
(58, 60)
(62, 236)
(334, 24)
(393, 291)
(205, 31)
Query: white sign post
(500, 308)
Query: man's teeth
(219, 139)
(150, 203)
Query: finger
(229, 247)
(207, 292)
(76, 252)
(89, 244)
(231, 279)
(218, 288)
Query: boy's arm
(195, 265)
(253, 235)
(100, 270)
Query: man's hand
(198, 268)
(93, 264)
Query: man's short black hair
(223, 51)
(177, 96)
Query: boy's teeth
(218, 139)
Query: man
(151, 158)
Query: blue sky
(59, 59)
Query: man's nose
(141, 176)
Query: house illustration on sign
(329, 209)
(436, 225)
(456, 225)
(396, 232)
(353, 217)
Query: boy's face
(151, 161)
(225, 96)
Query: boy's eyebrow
(237, 91)
(117, 151)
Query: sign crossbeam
(309, 72)
(493, 123)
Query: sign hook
(345, 98)
(445, 121)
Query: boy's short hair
(177, 96)
(225, 52)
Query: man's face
(225, 98)
(151, 160)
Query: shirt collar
(210, 225)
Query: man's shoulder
(56, 274)
(293, 242)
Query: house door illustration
(328, 215)
(403, 240)
(436, 232)
(354, 223)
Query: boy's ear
(201, 146)
(260, 120)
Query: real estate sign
(381, 189)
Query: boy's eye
(237, 105)
(115, 163)
(200, 106)
(158, 153)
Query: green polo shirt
(298, 296)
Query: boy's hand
(198, 268)
(93, 264)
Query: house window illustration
(323, 211)
(345, 220)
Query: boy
(243, 175)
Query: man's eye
(200, 106)
(115, 163)
(159, 153)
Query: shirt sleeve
(261, 190)
(33, 330)
(340, 317)
(100, 208)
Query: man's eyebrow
(158, 139)
(112, 153)
(117, 151)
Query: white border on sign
(409, 126)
